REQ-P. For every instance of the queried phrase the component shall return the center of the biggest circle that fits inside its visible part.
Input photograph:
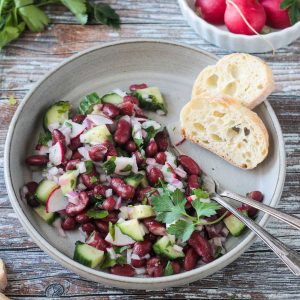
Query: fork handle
(290, 257)
(290, 219)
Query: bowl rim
(84, 271)
(228, 34)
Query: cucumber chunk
(141, 212)
(57, 113)
(151, 99)
(164, 247)
(47, 217)
(87, 103)
(112, 98)
(133, 229)
(134, 180)
(234, 225)
(44, 189)
(68, 181)
(96, 135)
(87, 255)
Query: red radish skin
(276, 17)
(211, 11)
(253, 12)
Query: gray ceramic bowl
(172, 67)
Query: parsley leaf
(44, 138)
(204, 209)
(93, 179)
(293, 7)
(97, 214)
(200, 193)
(78, 8)
(182, 229)
(168, 269)
(109, 166)
(119, 250)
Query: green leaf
(293, 7)
(111, 230)
(44, 138)
(108, 262)
(168, 269)
(151, 133)
(93, 179)
(109, 166)
(97, 214)
(89, 166)
(204, 209)
(218, 252)
(200, 193)
(127, 168)
(78, 8)
(119, 250)
(182, 229)
(12, 100)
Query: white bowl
(119, 65)
(220, 36)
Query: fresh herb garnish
(111, 230)
(97, 214)
(293, 7)
(44, 138)
(119, 250)
(170, 208)
(93, 179)
(168, 269)
(109, 166)
(89, 166)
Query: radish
(276, 17)
(77, 129)
(99, 119)
(56, 201)
(237, 11)
(57, 153)
(211, 11)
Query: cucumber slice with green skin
(87, 103)
(57, 113)
(68, 181)
(140, 212)
(112, 98)
(164, 247)
(47, 217)
(151, 99)
(132, 228)
(96, 135)
(134, 180)
(44, 189)
(234, 225)
(88, 255)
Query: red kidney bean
(190, 259)
(76, 155)
(37, 160)
(123, 132)
(132, 99)
(98, 152)
(193, 182)
(122, 189)
(155, 267)
(88, 228)
(142, 248)
(139, 158)
(151, 149)
(155, 227)
(138, 263)
(130, 146)
(99, 190)
(257, 196)
(90, 180)
(139, 113)
(111, 148)
(189, 165)
(96, 240)
(109, 203)
(150, 237)
(161, 140)
(112, 217)
(71, 164)
(75, 143)
(214, 230)
(154, 175)
(82, 218)
(140, 86)
(31, 186)
(146, 192)
(73, 210)
(123, 270)
(78, 118)
(161, 158)
(175, 266)
(68, 223)
(201, 246)
(102, 226)
(57, 136)
(127, 108)
(110, 110)
(32, 201)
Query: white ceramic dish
(220, 36)
(118, 65)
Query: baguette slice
(244, 77)
(227, 128)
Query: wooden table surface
(32, 274)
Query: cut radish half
(120, 238)
(57, 154)
(56, 201)
(99, 119)
(77, 130)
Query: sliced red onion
(177, 183)
(144, 133)
(140, 271)
(53, 171)
(177, 248)
(81, 187)
(73, 197)
(108, 193)
(128, 256)
(150, 161)
(87, 123)
(123, 212)
(151, 123)
(68, 154)
(147, 256)
(135, 256)
(100, 119)
(57, 225)
(126, 118)
(103, 177)
(76, 129)
(84, 152)
(118, 203)
(180, 172)
(81, 167)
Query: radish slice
(99, 119)
(120, 238)
(57, 153)
(77, 129)
(56, 201)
